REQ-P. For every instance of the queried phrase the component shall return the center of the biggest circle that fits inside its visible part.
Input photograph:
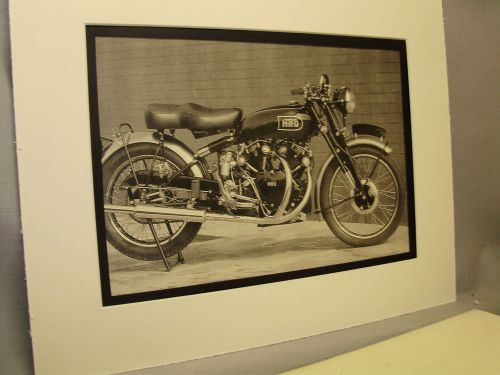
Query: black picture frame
(309, 39)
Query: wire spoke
(344, 213)
(135, 233)
(377, 218)
(162, 233)
(382, 177)
(339, 202)
(388, 196)
(387, 217)
(382, 207)
(387, 191)
(374, 167)
(340, 195)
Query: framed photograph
(229, 158)
(226, 111)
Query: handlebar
(299, 91)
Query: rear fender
(173, 144)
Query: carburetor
(226, 163)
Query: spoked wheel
(130, 235)
(368, 216)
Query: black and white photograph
(229, 158)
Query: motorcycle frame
(333, 132)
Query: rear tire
(130, 236)
(370, 226)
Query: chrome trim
(371, 141)
(281, 127)
(288, 187)
(148, 137)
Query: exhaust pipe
(179, 214)
(155, 212)
(200, 216)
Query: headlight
(344, 100)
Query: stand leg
(158, 244)
(180, 257)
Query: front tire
(132, 236)
(350, 220)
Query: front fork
(335, 138)
(361, 189)
(338, 146)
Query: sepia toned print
(225, 158)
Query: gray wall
(472, 49)
(15, 345)
(472, 31)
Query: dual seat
(191, 116)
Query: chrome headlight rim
(344, 100)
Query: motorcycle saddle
(191, 116)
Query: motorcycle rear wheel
(131, 236)
(341, 210)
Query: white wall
(472, 49)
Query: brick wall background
(133, 73)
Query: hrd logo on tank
(289, 123)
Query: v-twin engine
(263, 176)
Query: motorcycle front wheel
(132, 236)
(347, 215)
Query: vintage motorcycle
(157, 192)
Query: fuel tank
(280, 122)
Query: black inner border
(93, 31)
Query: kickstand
(180, 257)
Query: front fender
(184, 152)
(360, 139)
